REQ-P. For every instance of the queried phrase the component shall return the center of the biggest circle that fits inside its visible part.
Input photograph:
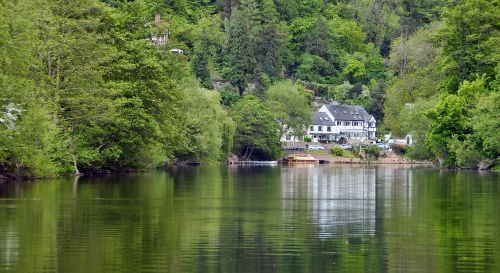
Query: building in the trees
(338, 123)
(177, 51)
(160, 36)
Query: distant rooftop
(321, 118)
(348, 112)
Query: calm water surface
(269, 219)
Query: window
(320, 128)
(339, 123)
(347, 123)
(312, 128)
(288, 137)
(328, 129)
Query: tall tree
(256, 131)
(470, 39)
(29, 139)
(240, 57)
(290, 106)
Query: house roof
(348, 112)
(321, 118)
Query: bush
(418, 152)
(228, 95)
(398, 149)
(373, 151)
(466, 154)
(307, 139)
(337, 151)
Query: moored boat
(292, 159)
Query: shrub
(373, 151)
(307, 139)
(337, 151)
(398, 149)
(418, 152)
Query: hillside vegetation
(83, 89)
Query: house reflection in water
(344, 201)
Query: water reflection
(340, 200)
(258, 219)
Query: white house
(335, 122)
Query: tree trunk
(75, 165)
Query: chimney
(157, 19)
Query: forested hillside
(84, 88)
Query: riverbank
(386, 157)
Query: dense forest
(84, 87)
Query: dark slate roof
(321, 118)
(348, 112)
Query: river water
(255, 219)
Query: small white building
(335, 122)
(177, 51)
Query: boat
(251, 162)
(293, 159)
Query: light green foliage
(290, 107)
(314, 69)
(373, 151)
(29, 138)
(256, 131)
(414, 61)
(452, 135)
(206, 125)
(465, 152)
(354, 70)
(448, 120)
(485, 122)
(83, 89)
(337, 151)
(341, 91)
(470, 39)
(415, 121)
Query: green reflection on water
(278, 219)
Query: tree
(200, 62)
(30, 142)
(207, 126)
(240, 58)
(449, 121)
(414, 61)
(470, 37)
(256, 130)
(207, 44)
(271, 42)
(290, 106)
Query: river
(255, 219)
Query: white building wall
(361, 128)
